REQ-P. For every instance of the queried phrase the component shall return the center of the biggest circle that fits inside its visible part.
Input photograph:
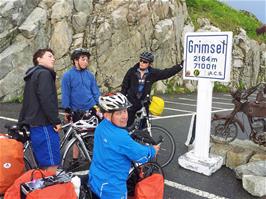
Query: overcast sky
(256, 7)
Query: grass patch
(220, 88)
(17, 99)
(224, 17)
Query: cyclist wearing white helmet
(80, 92)
(114, 150)
(139, 79)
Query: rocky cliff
(115, 31)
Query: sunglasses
(144, 61)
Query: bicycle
(143, 123)
(224, 128)
(140, 171)
(80, 134)
(22, 135)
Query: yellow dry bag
(157, 105)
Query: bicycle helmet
(147, 56)
(113, 102)
(91, 123)
(78, 52)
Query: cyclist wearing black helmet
(114, 150)
(138, 81)
(79, 88)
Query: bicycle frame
(73, 128)
(142, 114)
(27, 147)
(84, 150)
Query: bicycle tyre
(167, 147)
(221, 135)
(83, 162)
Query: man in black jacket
(40, 110)
(138, 81)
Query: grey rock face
(116, 32)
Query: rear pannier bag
(11, 162)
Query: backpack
(146, 182)
(151, 187)
(11, 162)
(13, 191)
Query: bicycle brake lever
(159, 142)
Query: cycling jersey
(113, 152)
(79, 90)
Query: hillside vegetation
(224, 17)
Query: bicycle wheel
(167, 147)
(84, 154)
(221, 135)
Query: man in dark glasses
(138, 81)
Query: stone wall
(115, 31)
(248, 160)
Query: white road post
(207, 59)
(204, 104)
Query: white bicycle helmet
(86, 124)
(113, 102)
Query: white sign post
(207, 59)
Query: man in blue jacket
(114, 150)
(79, 88)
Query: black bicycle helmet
(148, 56)
(78, 52)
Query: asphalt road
(180, 183)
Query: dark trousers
(94, 196)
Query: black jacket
(40, 105)
(130, 81)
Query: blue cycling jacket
(113, 152)
(79, 90)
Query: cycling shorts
(46, 146)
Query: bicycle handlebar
(18, 133)
(146, 100)
(244, 94)
(144, 137)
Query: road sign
(208, 55)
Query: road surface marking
(193, 100)
(179, 103)
(180, 110)
(221, 98)
(195, 191)
(154, 118)
(186, 114)
(9, 119)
